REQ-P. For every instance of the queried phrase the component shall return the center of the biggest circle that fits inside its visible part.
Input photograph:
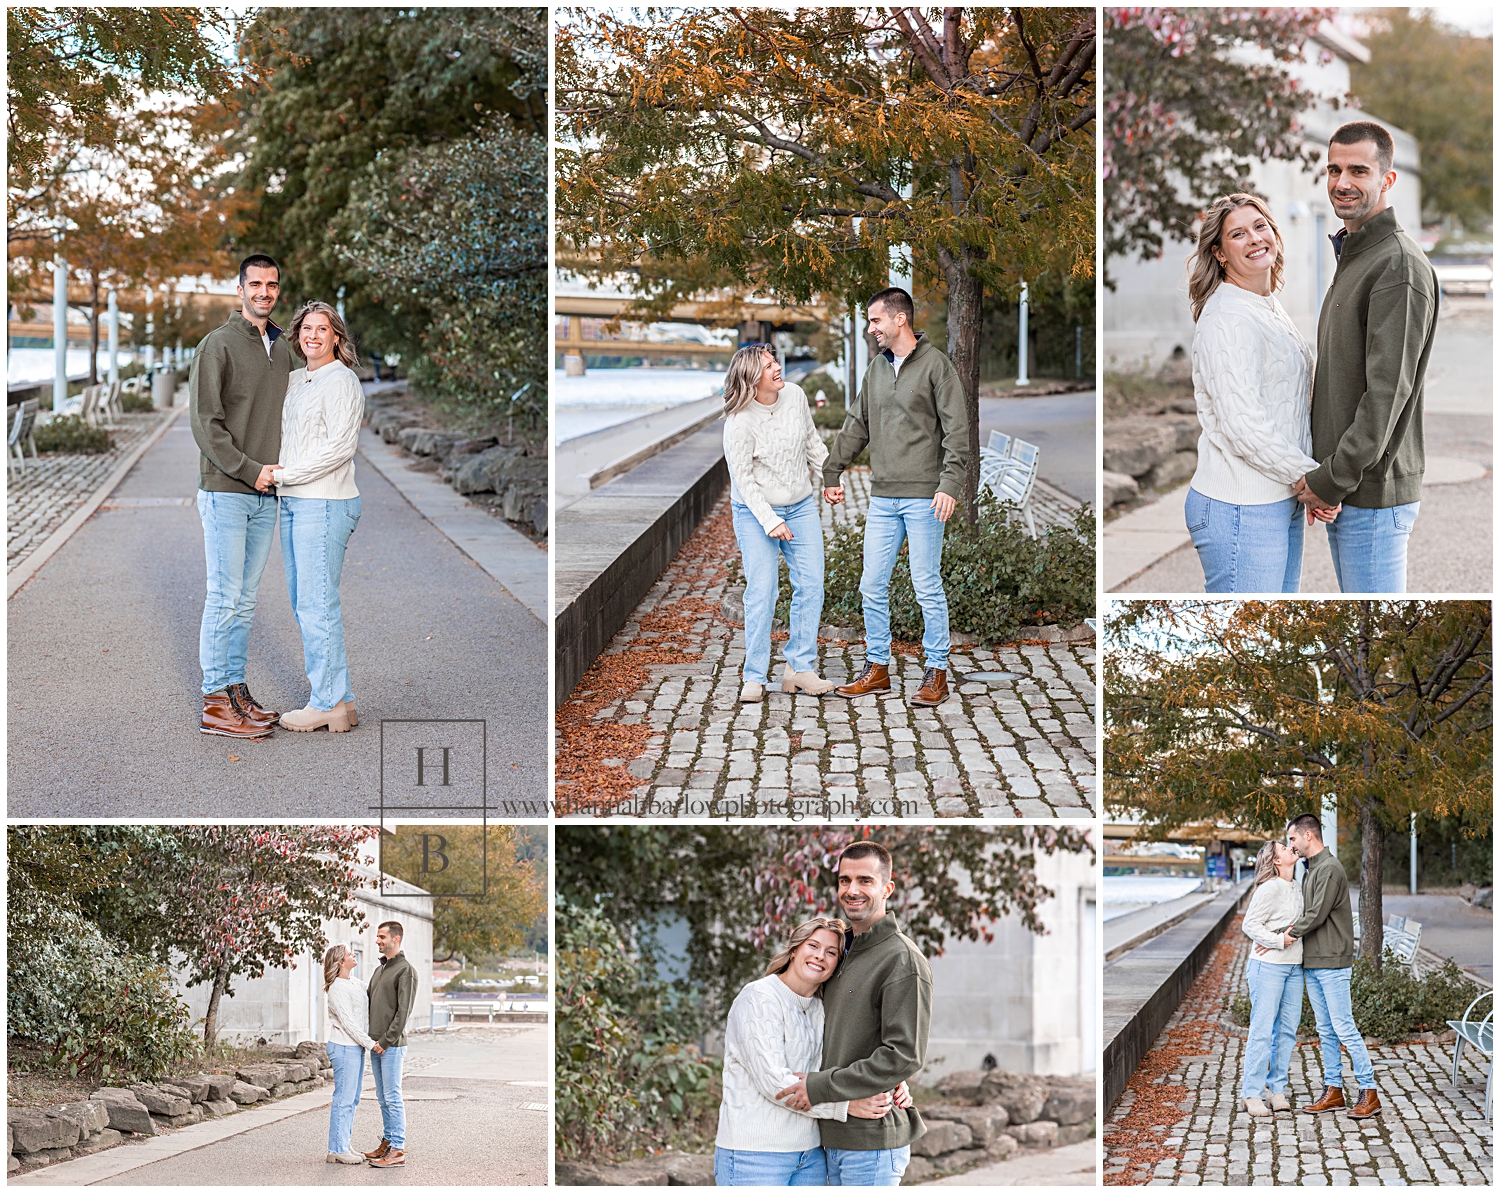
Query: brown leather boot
(1332, 1099)
(221, 715)
(394, 1158)
(254, 711)
(876, 677)
(934, 689)
(1368, 1105)
(385, 1146)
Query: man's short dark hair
(898, 302)
(394, 928)
(1356, 132)
(1308, 823)
(260, 260)
(860, 849)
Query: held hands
(264, 481)
(834, 496)
(1317, 508)
(782, 531)
(377, 1049)
(795, 1096)
(875, 1106)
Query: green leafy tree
(788, 152)
(1436, 83)
(1187, 112)
(1254, 712)
(495, 862)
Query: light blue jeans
(733, 1167)
(890, 522)
(386, 1066)
(348, 1075)
(848, 1167)
(314, 534)
(1328, 991)
(804, 560)
(237, 529)
(1247, 548)
(1369, 548)
(1275, 1007)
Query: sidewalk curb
(33, 564)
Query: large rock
(161, 1102)
(499, 469)
(282, 1089)
(264, 1075)
(126, 1111)
(313, 1052)
(1036, 1134)
(1187, 431)
(91, 1117)
(106, 1138)
(1021, 1094)
(918, 1169)
(245, 1094)
(36, 1131)
(1076, 1133)
(198, 1087)
(943, 1135)
(1172, 471)
(1070, 1102)
(1119, 487)
(520, 502)
(985, 1123)
(421, 441)
(962, 1084)
(962, 1159)
(218, 1107)
(219, 1085)
(1135, 445)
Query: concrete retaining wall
(1143, 987)
(611, 546)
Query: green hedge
(997, 577)
(69, 433)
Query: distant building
(287, 1006)
(1146, 318)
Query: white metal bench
(1480, 1036)
(1402, 936)
(21, 429)
(1017, 478)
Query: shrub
(136, 400)
(70, 433)
(997, 577)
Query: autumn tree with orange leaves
(1257, 711)
(790, 151)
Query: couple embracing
(910, 413)
(817, 1053)
(1339, 441)
(1303, 934)
(277, 445)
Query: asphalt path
(104, 688)
(1061, 425)
(467, 1123)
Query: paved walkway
(1074, 1165)
(656, 728)
(39, 499)
(1180, 1121)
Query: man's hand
(1288, 941)
(782, 531)
(1303, 492)
(264, 481)
(795, 1096)
(834, 496)
(377, 1049)
(942, 506)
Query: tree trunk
(211, 1018)
(1371, 875)
(965, 314)
(94, 335)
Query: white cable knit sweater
(320, 433)
(1275, 907)
(1252, 380)
(349, 1014)
(773, 451)
(772, 1034)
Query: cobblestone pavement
(1180, 1122)
(40, 499)
(662, 708)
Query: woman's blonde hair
(344, 352)
(743, 377)
(1265, 863)
(799, 935)
(1205, 271)
(332, 959)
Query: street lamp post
(59, 330)
(1021, 342)
(114, 338)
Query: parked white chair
(1479, 1035)
(20, 438)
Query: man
(1326, 929)
(392, 992)
(237, 385)
(910, 412)
(1374, 338)
(877, 1009)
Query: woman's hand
(875, 1106)
(1325, 515)
(265, 480)
(902, 1097)
(781, 531)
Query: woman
(1274, 975)
(320, 507)
(773, 450)
(773, 1038)
(348, 1037)
(1252, 381)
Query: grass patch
(1127, 394)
